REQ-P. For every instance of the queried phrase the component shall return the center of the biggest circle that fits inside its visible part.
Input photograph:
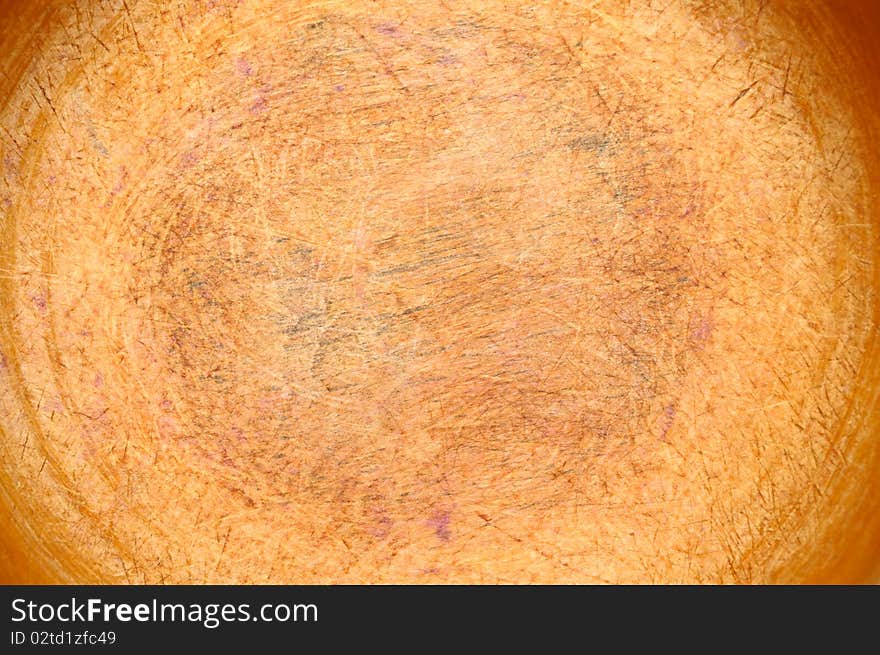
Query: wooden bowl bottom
(301, 293)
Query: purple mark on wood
(669, 413)
(439, 521)
(258, 106)
(39, 301)
(339, 88)
(261, 104)
(99, 380)
(11, 165)
(243, 67)
(166, 405)
(381, 526)
(120, 184)
(53, 406)
(188, 159)
(700, 330)
(388, 29)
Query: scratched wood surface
(424, 292)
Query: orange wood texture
(439, 292)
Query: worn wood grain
(438, 292)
